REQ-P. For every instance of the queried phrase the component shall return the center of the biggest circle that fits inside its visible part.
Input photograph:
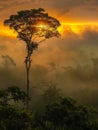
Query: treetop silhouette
(34, 23)
(33, 26)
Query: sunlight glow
(5, 31)
(77, 28)
(42, 26)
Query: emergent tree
(33, 27)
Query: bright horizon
(76, 27)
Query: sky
(70, 61)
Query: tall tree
(33, 27)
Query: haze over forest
(70, 62)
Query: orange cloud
(5, 31)
(77, 28)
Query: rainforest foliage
(55, 112)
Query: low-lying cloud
(70, 61)
(8, 60)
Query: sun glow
(42, 26)
(65, 27)
(5, 31)
(77, 27)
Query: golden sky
(78, 20)
(76, 15)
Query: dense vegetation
(52, 112)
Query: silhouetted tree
(51, 94)
(12, 95)
(48, 96)
(13, 118)
(33, 26)
(60, 114)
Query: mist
(70, 62)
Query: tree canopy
(32, 24)
(66, 114)
(60, 114)
(12, 94)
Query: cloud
(7, 3)
(66, 5)
(64, 10)
(57, 7)
(91, 35)
(2, 47)
(8, 61)
(71, 80)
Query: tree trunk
(28, 64)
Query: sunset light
(77, 28)
(42, 26)
(5, 31)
